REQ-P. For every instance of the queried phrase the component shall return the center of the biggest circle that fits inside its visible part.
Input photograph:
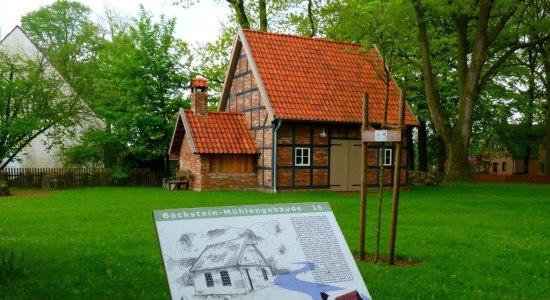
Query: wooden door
(354, 165)
(345, 165)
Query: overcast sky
(200, 23)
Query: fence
(517, 178)
(53, 178)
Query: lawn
(485, 241)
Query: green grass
(484, 241)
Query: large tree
(64, 32)
(144, 74)
(34, 100)
(484, 34)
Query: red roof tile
(221, 133)
(320, 80)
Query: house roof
(220, 255)
(318, 80)
(218, 133)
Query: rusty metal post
(364, 170)
(396, 181)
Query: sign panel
(275, 251)
(381, 136)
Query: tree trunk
(547, 144)
(423, 148)
(410, 149)
(526, 159)
(441, 155)
(311, 19)
(238, 7)
(545, 57)
(532, 56)
(458, 166)
(263, 14)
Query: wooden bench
(182, 178)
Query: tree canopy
(469, 67)
(34, 100)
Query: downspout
(274, 157)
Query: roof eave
(188, 131)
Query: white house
(36, 154)
(230, 268)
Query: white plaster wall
(17, 42)
(36, 154)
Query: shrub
(4, 189)
(423, 178)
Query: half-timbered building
(301, 98)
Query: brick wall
(199, 103)
(202, 179)
(315, 176)
(191, 162)
(229, 181)
(245, 97)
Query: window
(385, 157)
(265, 274)
(301, 156)
(504, 167)
(226, 281)
(209, 280)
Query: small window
(209, 280)
(301, 156)
(264, 272)
(504, 167)
(385, 157)
(226, 281)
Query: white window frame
(387, 158)
(302, 153)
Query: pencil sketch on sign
(231, 267)
(265, 256)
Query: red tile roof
(320, 80)
(221, 133)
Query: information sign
(382, 135)
(274, 251)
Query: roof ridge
(220, 112)
(304, 37)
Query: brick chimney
(199, 96)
